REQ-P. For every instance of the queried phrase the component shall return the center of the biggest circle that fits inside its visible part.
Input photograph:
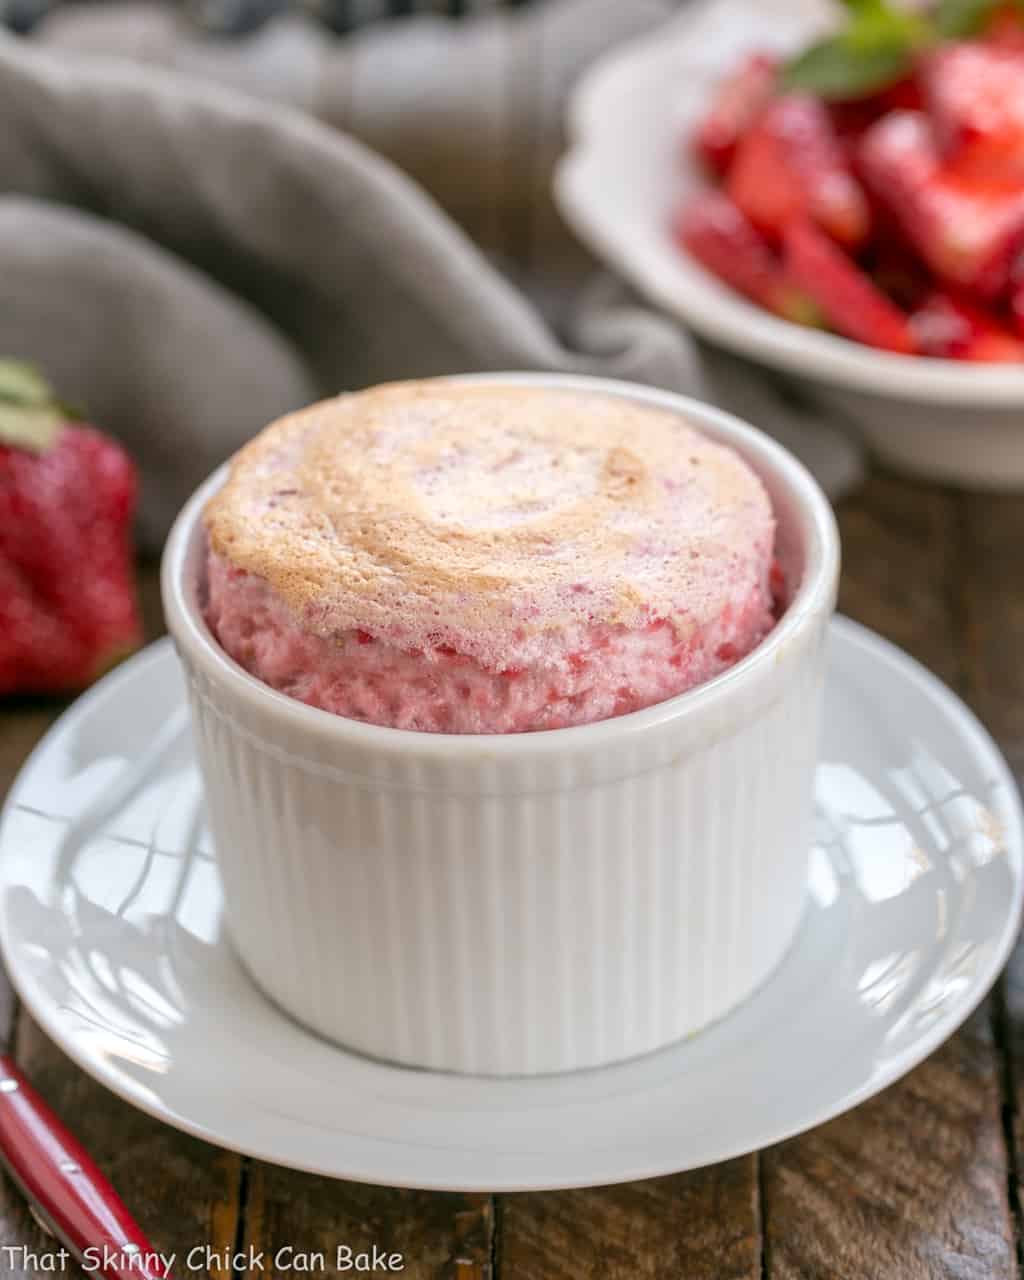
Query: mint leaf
(841, 68)
(957, 18)
(876, 7)
(875, 50)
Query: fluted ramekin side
(531, 903)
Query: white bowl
(627, 169)
(525, 903)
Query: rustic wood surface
(923, 1181)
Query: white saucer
(110, 924)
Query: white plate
(110, 924)
(628, 167)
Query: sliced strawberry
(849, 299)
(906, 95)
(1017, 295)
(943, 328)
(714, 230)
(764, 183)
(995, 348)
(1005, 27)
(739, 100)
(954, 328)
(850, 119)
(791, 164)
(946, 326)
(896, 269)
(975, 96)
(966, 230)
(1017, 309)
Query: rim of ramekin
(815, 596)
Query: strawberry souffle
(480, 558)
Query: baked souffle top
(495, 519)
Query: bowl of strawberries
(835, 190)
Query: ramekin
(527, 903)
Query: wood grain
(912, 1184)
(701, 1226)
(900, 554)
(438, 1235)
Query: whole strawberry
(68, 607)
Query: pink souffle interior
(488, 560)
(610, 671)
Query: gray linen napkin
(189, 261)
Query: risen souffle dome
(482, 558)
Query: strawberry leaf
(32, 427)
(21, 384)
(30, 418)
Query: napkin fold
(187, 252)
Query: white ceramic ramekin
(534, 902)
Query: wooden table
(923, 1181)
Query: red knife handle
(64, 1185)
